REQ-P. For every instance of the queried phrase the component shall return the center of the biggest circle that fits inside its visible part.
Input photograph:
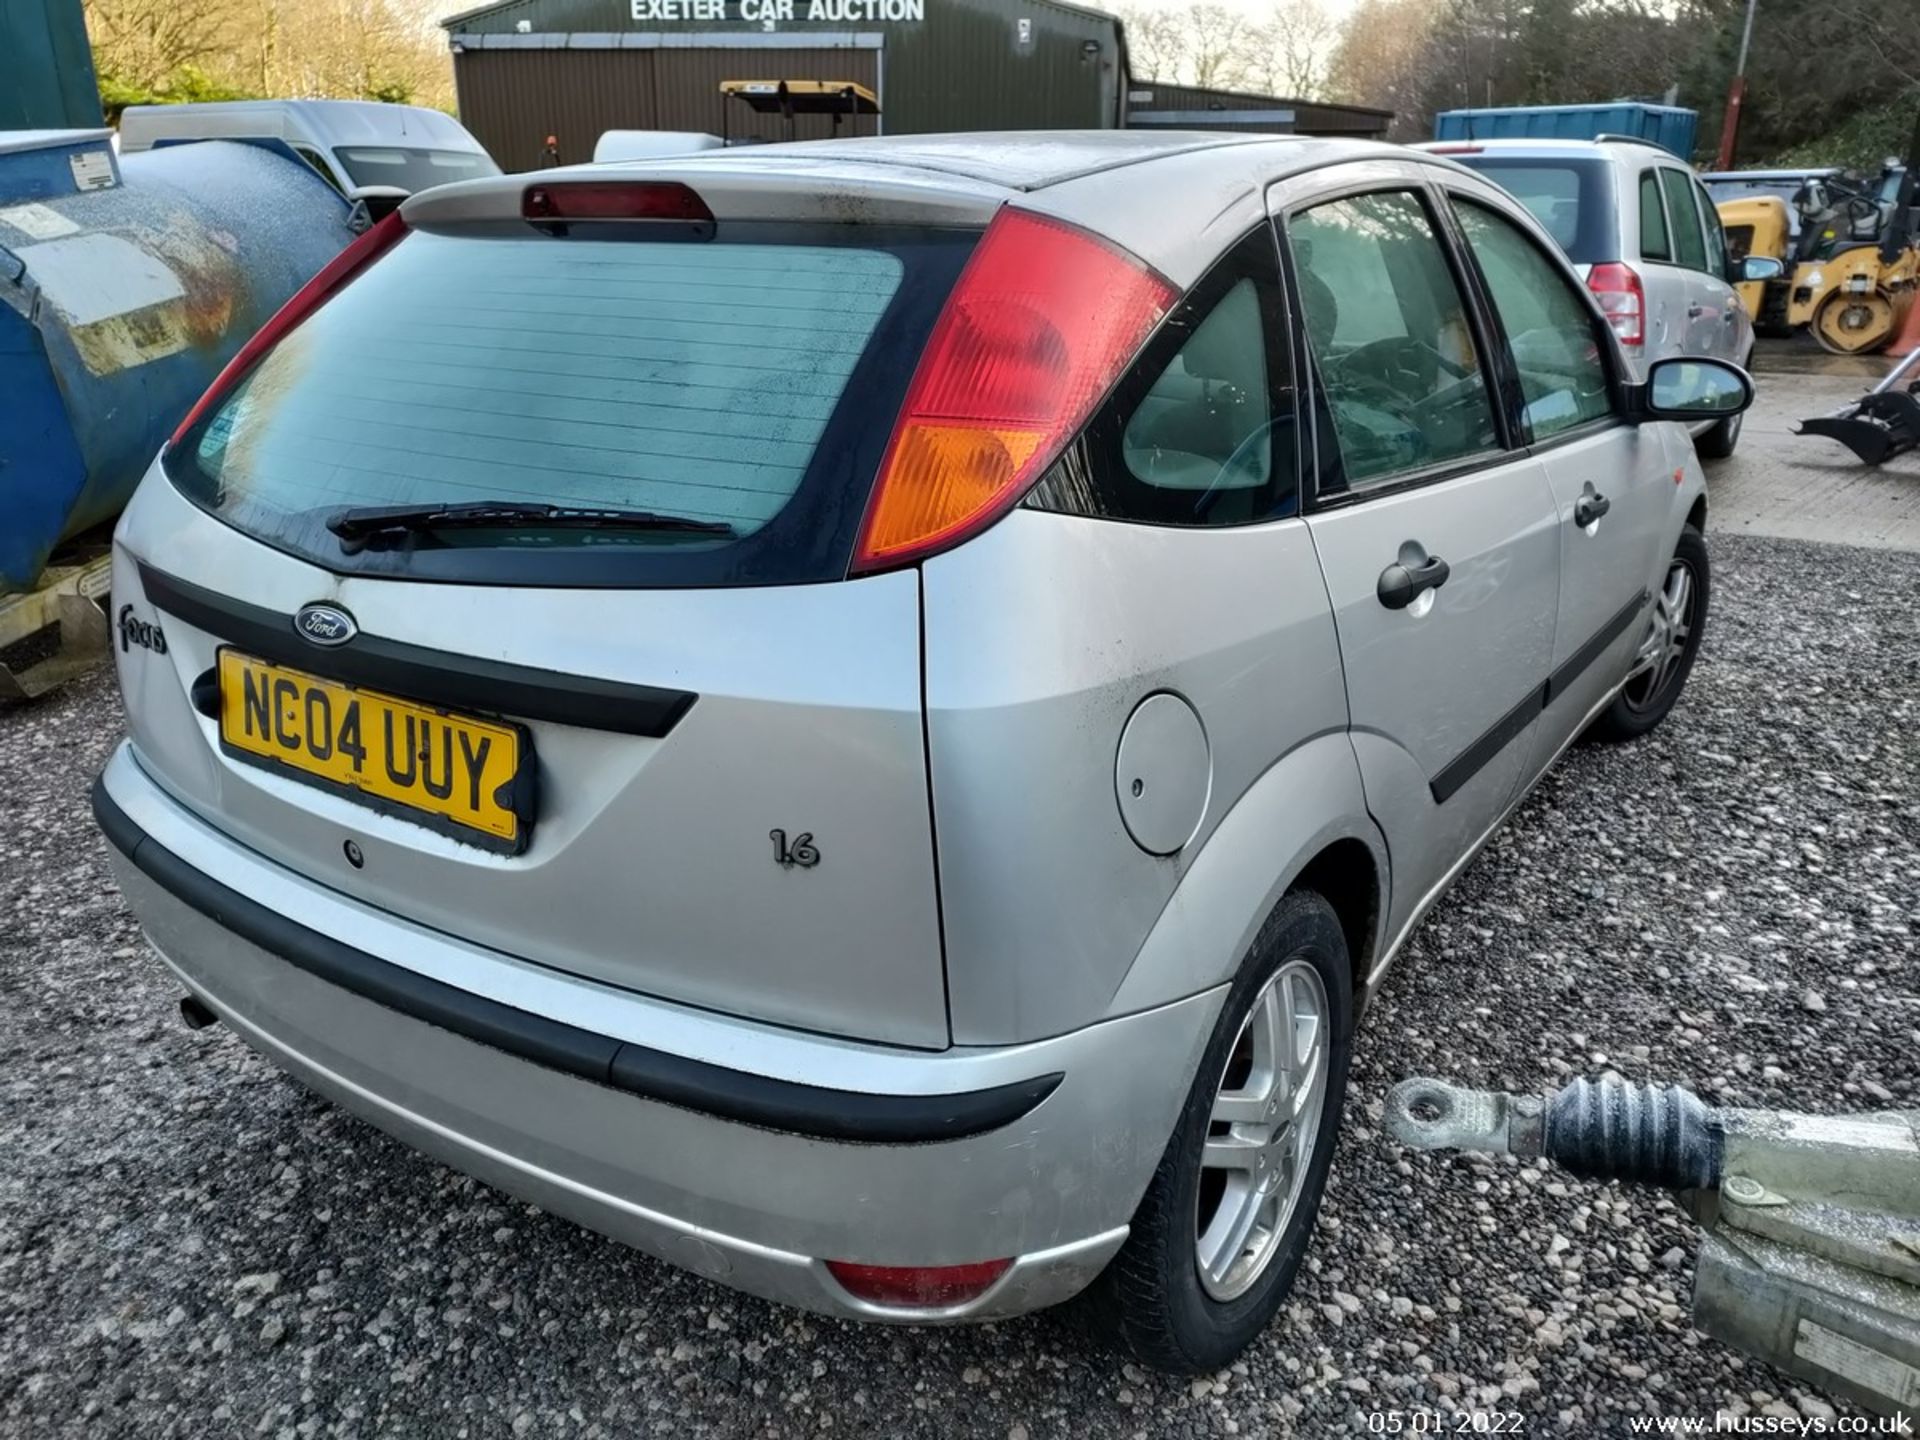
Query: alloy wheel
(1658, 659)
(1263, 1125)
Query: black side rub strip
(1469, 762)
(809, 1110)
(457, 682)
(1476, 756)
(1564, 677)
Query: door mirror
(1688, 388)
(1761, 267)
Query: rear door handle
(1589, 508)
(1696, 310)
(1402, 584)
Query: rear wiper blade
(366, 521)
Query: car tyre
(1718, 442)
(1153, 1300)
(1651, 690)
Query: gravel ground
(191, 1245)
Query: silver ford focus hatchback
(864, 716)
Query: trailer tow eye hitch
(1810, 1258)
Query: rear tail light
(332, 277)
(926, 1287)
(1040, 324)
(1623, 300)
(613, 200)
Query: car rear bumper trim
(774, 1104)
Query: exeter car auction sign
(771, 12)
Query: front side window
(1654, 244)
(1689, 245)
(1390, 339)
(1549, 327)
(1200, 432)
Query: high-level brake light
(613, 200)
(1042, 321)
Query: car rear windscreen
(1573, 199)
(747, 380)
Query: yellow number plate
(453, 773)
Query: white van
(650, 144)
(352, 143)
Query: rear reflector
(613, 200)
(1040, 324)
(925, 1286)
(332, 277)
(1623, 299)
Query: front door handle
(1589, 508)
(1401, 584)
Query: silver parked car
(1645, 236)
(865, 716)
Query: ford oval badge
(325, 624)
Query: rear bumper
(742, 1152)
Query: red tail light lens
(1623, 300)
(928, 1287)
(613, 200)
(332, 277)
(1039, 326)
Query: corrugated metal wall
(513, 99)
(968, 65)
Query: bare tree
(1297, 45)
(1156, 43)
(146, 41)
(1223, 47)
(1384, 57)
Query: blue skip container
(125, 285)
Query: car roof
(1023, 160)
(1175, 198)
(329, 122)
(1545, 145)
(1757, 175)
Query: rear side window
(1390, 338)
(1654, 244)
(1689, 245)
(1572, 199)
(748, 381)
(1200, 431)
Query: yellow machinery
(1854, 300)
(1761, 225)
(1849, 285)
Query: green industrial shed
(526, 70)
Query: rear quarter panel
(1041, 638)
